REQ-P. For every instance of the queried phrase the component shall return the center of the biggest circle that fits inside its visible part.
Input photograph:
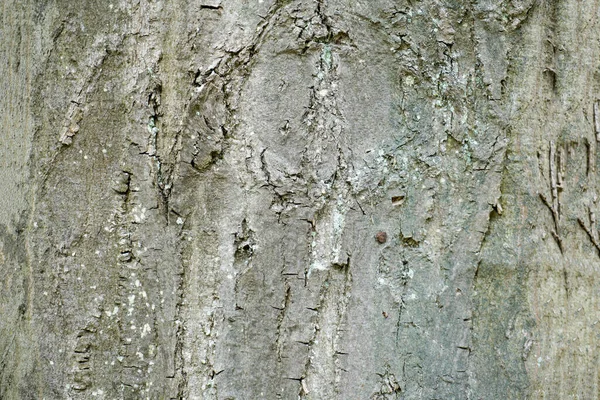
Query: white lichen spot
(179, 221)
(139, 214)
(145, 330)
(131, 299)
(137, 283)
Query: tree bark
(324, 199)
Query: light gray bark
(320, 199)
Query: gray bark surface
(328, 199)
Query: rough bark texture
(327, 199)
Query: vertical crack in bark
(162, 170)
(328, 184)
(343, 300)
(591, 231)
(280, 337)
(597, 120)
(180, 373)
(323, 368)
(135, 352)
(556, 179)
(122, 186)
(328, 191)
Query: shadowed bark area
(299, 199)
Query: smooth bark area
(327, 199)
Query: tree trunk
(326, 199)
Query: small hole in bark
(397, 200)
(381, 237)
